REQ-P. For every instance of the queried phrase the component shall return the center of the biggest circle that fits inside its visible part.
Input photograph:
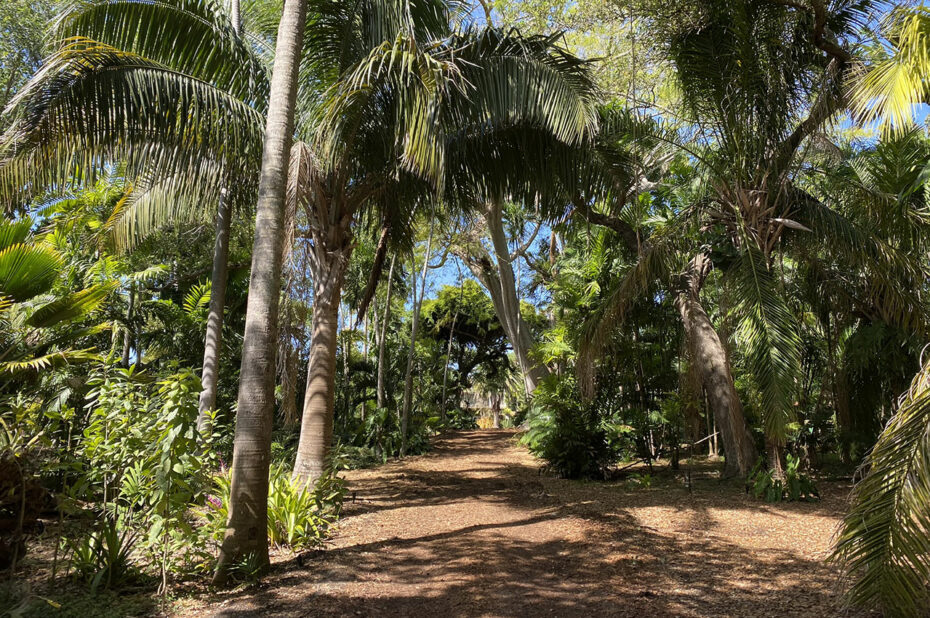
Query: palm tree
(738, 82)
(454, 93)
(191, 58)
(37, 326)
(248, 504)
(883, 545)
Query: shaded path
(473, 529)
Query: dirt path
(473, 529)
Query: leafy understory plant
(103, 559)
(299, 516)
(796, 486)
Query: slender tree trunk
(498, 279)
(316, 428)
(127, 336)
(691, 393)
(213, 340)
(415, 323)
(379, 393)
(775, 453)
(246, 528)
(289, 402)
(496, 410)
(445, 370)
(710, 357)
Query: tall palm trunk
(710, 357)
(127, 335)
(213, 340)
(316, 427)
(414, 327)
(246, 528)
(379, 393)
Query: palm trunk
(381, 338)
(775, 452)
(415, 323)
(710, 357)
(246, 528)
(316, 428)
(213, 340)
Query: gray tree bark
(710, 358)
(498, 279)
(246, 528)
(316, 427)
(414, 327)
(380, 394)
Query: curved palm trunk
(710, 358)
(213, 340)
(246, 528)
(316, 427)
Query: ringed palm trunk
(316, 427)
(213, 340)
(710, 358)
(246, 528)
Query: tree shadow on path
(473, 529)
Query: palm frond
(883, 545)
(28, 269)
(71, 307)
(888, 93)
(197, 297)
(193, 37)
(768, 336)
(92, 103)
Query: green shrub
(299, 516)
(796, 485)
(567, 433)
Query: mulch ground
(474, 529)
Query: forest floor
(474, 529)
